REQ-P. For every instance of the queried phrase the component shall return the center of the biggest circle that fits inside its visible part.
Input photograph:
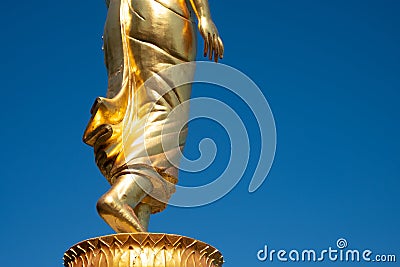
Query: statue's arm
(213, 45)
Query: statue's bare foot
(120, 217)
(117, 206)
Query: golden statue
(141, 39)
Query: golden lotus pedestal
(142, 250)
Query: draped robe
(143, 38)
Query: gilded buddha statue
(142, 38)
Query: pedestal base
(142, 250)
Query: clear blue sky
(330, 71)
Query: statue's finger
(221, 47)
(205, 46)
(210, 46)
(216, 48)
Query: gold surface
(141, 39)
(142, 250)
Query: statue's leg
(117, 206)
(143, 211)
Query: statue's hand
(213, 45)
